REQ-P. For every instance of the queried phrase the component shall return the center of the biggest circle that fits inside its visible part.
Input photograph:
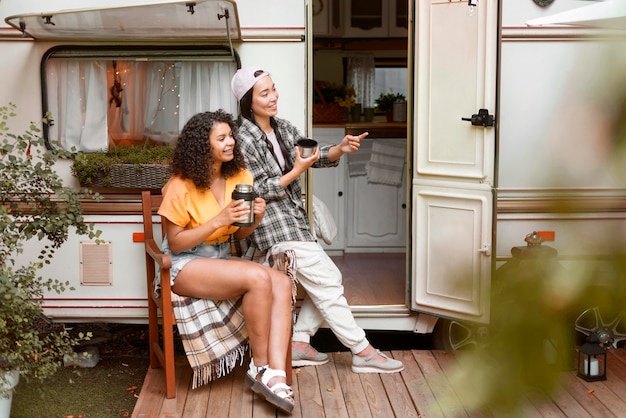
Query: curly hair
(192, 155)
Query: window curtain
(205, 86)
(161, 106)
(361, 77)
(156, 100)
(122, 122)
(77, 100)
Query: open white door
(453, 163)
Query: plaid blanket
(213, 333)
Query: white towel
(357, 161)
(387, 162)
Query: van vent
(96, 265)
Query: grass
(108, 390)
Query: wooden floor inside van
(373, 279)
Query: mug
(307, 147)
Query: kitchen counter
(375, 129)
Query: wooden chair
(162, 352)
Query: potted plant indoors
(135, 167)
(34, 204)
(385, 102)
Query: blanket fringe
(202, 375)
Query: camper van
(505, 133)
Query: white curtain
(361, 77)
(77, 99)
(161, 105)
(156, 100)
(205, 86)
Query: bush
(34, 203)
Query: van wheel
(452, 335)
(593, 319)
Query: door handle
(482, 118)
(486, 251)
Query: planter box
(133, 176)
(327, 113)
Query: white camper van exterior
(109, 278)
(504, 121)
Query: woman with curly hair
(199, 214)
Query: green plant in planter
(92, 168)
(384, 103)
(34, 204)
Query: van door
(453, 129)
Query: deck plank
(242, 397)
(353, 391)
(448, 361)
(619, 354)
(546, 407)
(173, 408)
(585, 397)
(309, 391)
(198, 400)
(422, 390)
(417, 386)
(398, 393)
(331, 391)
(568, 404)
(219, 399)
(375, 395)
(616, 372)
(151, 396)
(445, 396)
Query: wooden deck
(333, 391)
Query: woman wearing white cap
(268, 144)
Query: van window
(390, 80)
(123, 96)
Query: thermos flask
(245, 192)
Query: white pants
(322, 281)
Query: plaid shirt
(285, 217)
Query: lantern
(592, 358)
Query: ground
(107, 390)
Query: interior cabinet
(398, 18)
(375, 18)
(366, 18)
(369, 216)
(376, 215)
(327, 16)
(360, 19)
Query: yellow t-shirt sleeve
(187, 207)
(176, 200)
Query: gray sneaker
(366, 365)
(300, 359)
